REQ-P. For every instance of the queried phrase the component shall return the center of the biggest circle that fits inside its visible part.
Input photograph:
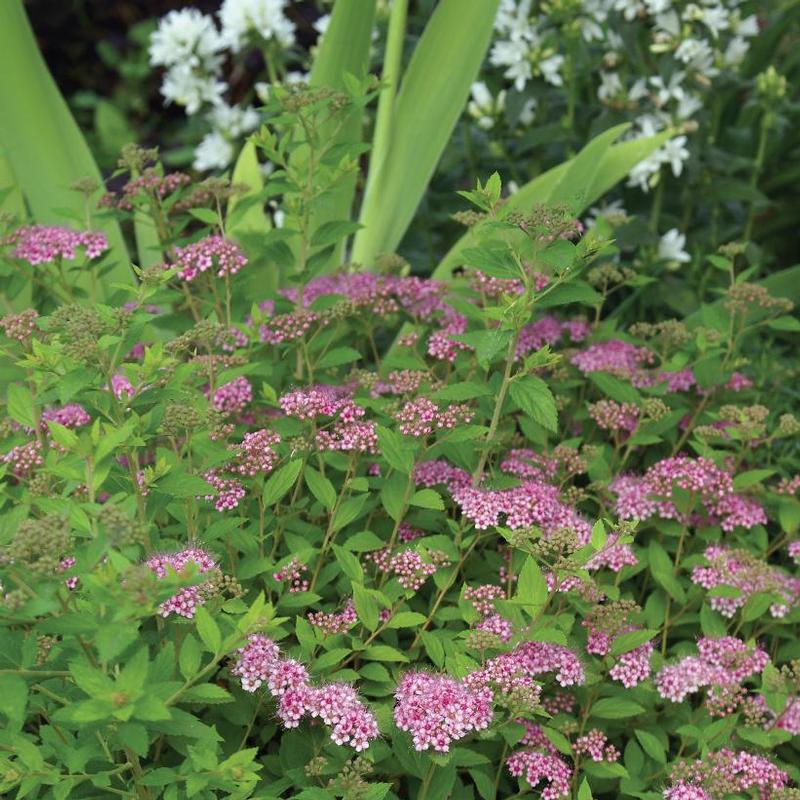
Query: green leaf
(44, 145)
(615, 388)
(616, 708)
(744, 480)
(366, 607)
(205, 215)
(348, 511)
(280, 482)
(333, 232)
(206, 693)
(395, 450)
(208, 630)
(626, 642)
(337, 357)
(350, 565)
(531, 586)
(652, 746)
(320, 487)
(179, 483)
(458, 392)
(534, 397)
(427, 498)
(584, 791)
(433, 647)
(405, 619)
(20, 405)
(382, 652)
(661, 568)
(189, 658)
(14, 692)
(430, 102)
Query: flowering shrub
(373, 535)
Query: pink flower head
(71, 415)
(187, 599)
(614, 356)
(233, 397)
(437, 710)
(24, 458)
(421, 417)
(43, 244)
(256, 454)
(229, 491)
(122, 387)
(332, 623)
(213, 252)
(535, 767)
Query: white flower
(644, 173)
(638, 91)
(213, 152)
(321, 25)
(610, 86)
(186, 87)
(668, 23)
(266, 18)
(550, 68)
(528, 111)
(614, 212)
(186, 38)
(736, 51)
(747, 26)
(668, 91)
(658, 6)
(484, 107)
(233, 121)
(716, 19)
(514, 55)
(697, 55)
(670, 247)
(629, 8)
(674, 153)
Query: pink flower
(213, 252)
(437, 710)
(256, 454)
(293, 573)
(229, 491)
(536, 767)
(333, 623)
(187, 599)
(24, 458)
(122, 387)
(421, 417)
(233, 397)
(42, 244)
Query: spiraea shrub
(372, 535)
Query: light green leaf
(281, 481)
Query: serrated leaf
(534, 397)
(366, 607)
(279, 483)
(394, 448)
(427, 498)
(207, 629)
(320, 487)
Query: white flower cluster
(690, 43)
(191, 47)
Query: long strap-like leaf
(42, 141)
(432, 95)
(600, 165)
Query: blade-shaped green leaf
(614, 164)
(41, 139)
(344, 49)
(18, 293)
(432, 95)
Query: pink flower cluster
(441, 345)
(497, 625)
(437, 710)
(24, 458)
(747, 574)
(725, 773)
(213, 252)
(256, 453)
(187, 599)
(67, 563)
(421, 417)
(20, 326)
(233, 397)
(121, 387)
(721, 662)
(633, 667)
(548, 330)
(43, 244)
(229, 491)
(321, 401)
(332, 623)
(535, 767)
(71, 415)
(350, 437)
(293, 572)
(483, 597)
(614, 356)
(652, 494)
(612, 416)
(411, 571)
(336, 704)
(595, 745)
(513, 674)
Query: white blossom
(610, 86)
(671, 247)
(484, 107)
(186, 38)
(550, 68)
(674, 153)
(265, 18)
(213, 152)
(189, 88)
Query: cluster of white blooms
(691, 43)
(191, 47)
